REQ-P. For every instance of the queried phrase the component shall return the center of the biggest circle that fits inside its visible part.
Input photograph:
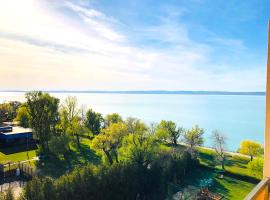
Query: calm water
(238, 117)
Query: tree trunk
(108, 156)
(78, 140)
(175, 141)
(251, 158)
(223, 165)
(116, 157)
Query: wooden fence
(18, 169)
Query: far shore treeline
(126, 158)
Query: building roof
(18, 130)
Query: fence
(18, 169)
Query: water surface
(239, 117)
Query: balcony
(261, 191)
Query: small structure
(10, 136)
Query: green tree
(135, 126)
(109, 141)
(167, 130)
(76, 129)
(63, 122)
(219, 142)
(250, 148)
(59, 145)
(3, 112)
(112, 119)
(94, 121)
(39, 189)
(194, 137)
(43, 110)
(70, 106)
(8, 111)
(12, 108)
(23, 116)
(256, 167)
(139, 148)
(72, 119)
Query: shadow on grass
(220, 189)
(209, 159)
(55, 166)
(17, 149)
(237, 162)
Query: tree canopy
(194, 137)
(112, 119)
(94, 121)
(256, 167)
(167, 130)
(250, 148)
(43, 110)
(23, 116)
(109, 141)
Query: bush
(8, 195)
(121, 181)
(256, 167)
(59, 145)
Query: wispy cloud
(69, 45)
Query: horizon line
(202, 92)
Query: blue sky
(133, 45)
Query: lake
(238, 117)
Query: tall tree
(70, 106)
(250, 148)
(43, 110)
(23, 116)
(94, 121)
(112, 119)
(194, 137)
(76, 129)
(72, 119)
(135, 126)
(109, 141)
(167, 130)
(219, 142)
(139, 148)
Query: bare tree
(219, 143)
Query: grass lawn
(56, 166)
(235, 164)
(15, 154)
(228, 187)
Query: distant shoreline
(148, 92)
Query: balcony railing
(261, 191)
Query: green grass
(235, 164)
(15, 154)
(233, 188)
(56, 166)
(228, 187)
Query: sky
(133, 45)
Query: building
(10, 136)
